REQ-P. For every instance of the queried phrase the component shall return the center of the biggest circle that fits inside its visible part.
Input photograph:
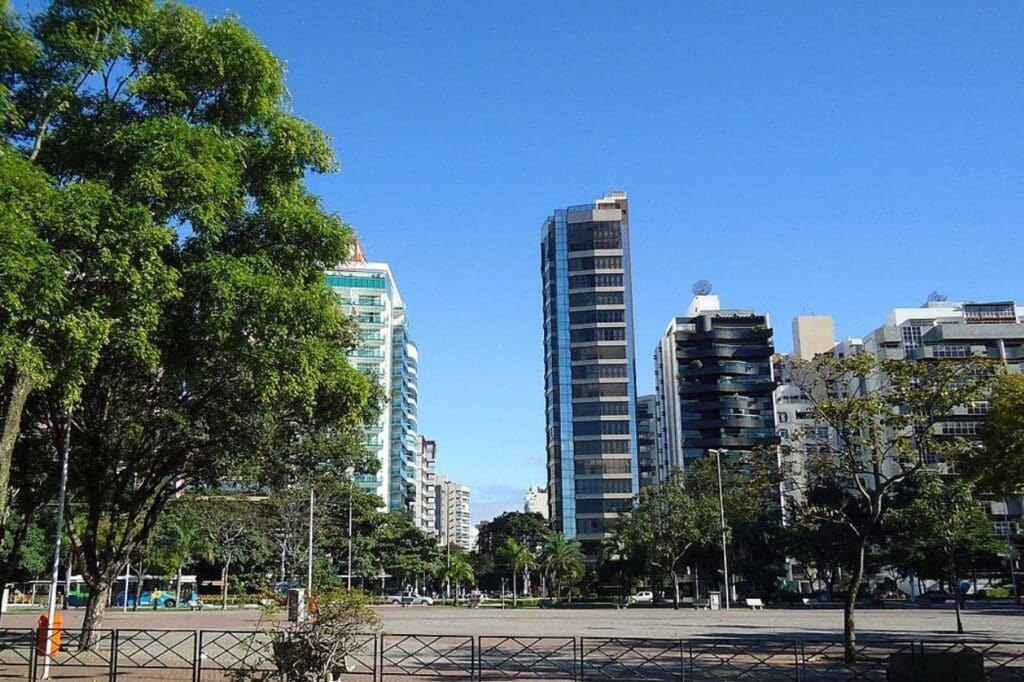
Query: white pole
(127, 577)
(51, 609)
(309, 574)
(349, 578)
(721, 510)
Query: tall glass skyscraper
(590, 372)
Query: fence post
(796, 659)
(582, 667)
(381, 657)
(114, 636)
(197, 656)
(33, 657)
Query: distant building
(714, 383)
(647, 450)
(453, 514)
(946, 330)
(589, 367)
(813, 335)
(535, 501)
(368, 292)
(428, 486)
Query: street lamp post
(309, 560)
(349, 577)
(721, 511)
(51, 609)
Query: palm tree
(457, 570)
(563, 560)
(518, 559)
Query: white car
(410, 599)
(642, 598)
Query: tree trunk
(95, 608)
(955, 586)
(224, 585)
(514, 590)
(177, 587)
(13, 408)
(850, 607)
(675, 591)
(138, 594)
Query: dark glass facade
(725, 383)
(590, 376)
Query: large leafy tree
(751, 497)
(198, 341)
(998, 467)
(944, 520)
(666, 525)
(518, 558)
(883, 415)
(562, 559)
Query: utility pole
(309, 566)
(51, 609)
(721, 511)
(349, 578)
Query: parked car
(936, 596)
(410, 599)
(642, 597)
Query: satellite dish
(937, 297)
(701, 287)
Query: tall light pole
(309, 560)
(721, 511)
(51, 608)
(351, 485)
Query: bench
(702, 603)
(755, 603)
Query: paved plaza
(987, 624)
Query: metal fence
(207, 655)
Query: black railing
(206, 655)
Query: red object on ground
(58, 624)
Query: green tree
(233, 534)
(997, 468)
(883, 416)
(403, 550)
(620, 564)
(947, 520)
(562, 559)
(751, 498)
(455, 569)
(198, 341)
(667, 523)
(517, 558)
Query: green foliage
(998, 467)
(751, 498)
(528, 530)
(562, 559)
(883, 415)
(153, 197)
(667, 523)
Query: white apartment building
(535, 501)
(428, 486)
(453, 514)
(368, 292)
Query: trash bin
(296, 605)
(54, 634)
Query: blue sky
(804, 157)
